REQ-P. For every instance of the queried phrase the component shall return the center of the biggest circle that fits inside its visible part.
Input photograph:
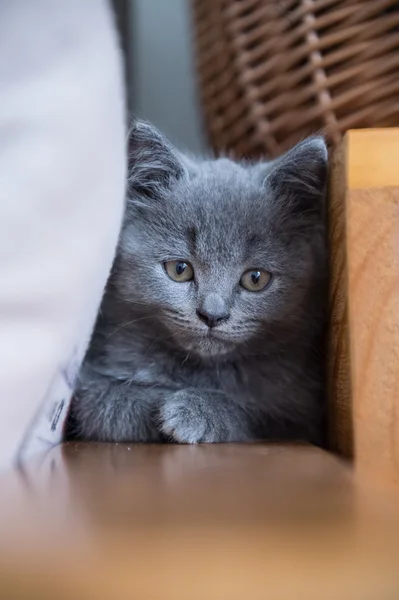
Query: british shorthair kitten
(212, 324)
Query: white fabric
(62, 174)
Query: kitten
(212, 325)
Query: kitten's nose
(211, 319)
(213, 310)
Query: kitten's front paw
(186, 418)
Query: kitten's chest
(236, 380)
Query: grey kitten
(212, 324)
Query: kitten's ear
(153, 162)
(299, 177)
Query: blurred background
(160, 68)
(254, 77)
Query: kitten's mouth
(211, 343)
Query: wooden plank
(373, 158)
(109, 521)
(364, 341)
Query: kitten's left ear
(300, 175)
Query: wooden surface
(364, 351)
(194, 522)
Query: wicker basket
(275, 71)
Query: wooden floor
(195, 522)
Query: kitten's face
(217, 253)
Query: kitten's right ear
(153, 162)
(300, 176)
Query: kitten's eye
(178, 270)
(255, 280)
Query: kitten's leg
(193, 416)
(108, 410)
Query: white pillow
(62, 178)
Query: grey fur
(154, 370)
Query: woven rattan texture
(275, 71)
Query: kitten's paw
(186, 418)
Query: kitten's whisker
(126, 300)
(157, 339)
(276, 337)
(126, 325)
(217, 371)
(186, 359)
(160, 338)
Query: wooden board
(109, 521)
(364, 341)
